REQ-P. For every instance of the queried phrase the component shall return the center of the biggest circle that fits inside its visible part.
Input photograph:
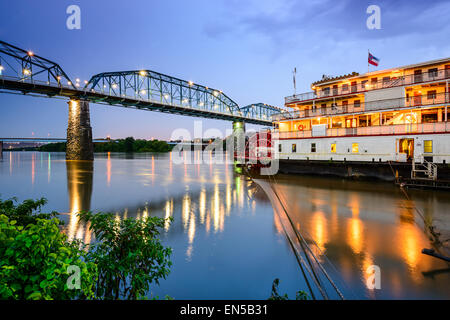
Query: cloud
(305, 24)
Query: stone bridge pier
(79, 132)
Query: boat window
(431, 94)
(333, 147)
(429, 117)
(428, 146)
(294, 147)
(313, 147)
(355, 147)
(433, 73)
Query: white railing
(436, 127)
(363, 86)
(397, 103)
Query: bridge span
(24, 72)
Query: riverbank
(120, 145)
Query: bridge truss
(28, 67)
(166, 90)
(25, 72)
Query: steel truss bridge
(24, 72)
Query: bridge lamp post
(1, 69)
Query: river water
(227, 240)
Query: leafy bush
(300, 295)
(129, 255)
(26, 212)
(34, 261)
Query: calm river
(226, 238)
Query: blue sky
(248, 49)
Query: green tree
(34, 262)
(129, 144)
(26, 212)
(129, 255)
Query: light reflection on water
(227, 241)
(359, 224)
(222, 231)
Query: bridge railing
(257, 111)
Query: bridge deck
(50, 90)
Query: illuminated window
(428, 146)
(355, 147)
(294, 147)
(333, 147)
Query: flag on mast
(373, 60)
(293, 74)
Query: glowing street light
(30, 53)
(191, 83)
(26, 72)
(143, 73)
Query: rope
(314, 275)
(303, 243)
(309, 248)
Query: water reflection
(204, 209)
(353, 224)
(79, 188)
(356, 225)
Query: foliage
(34, 262)
(122, 145)
(128, 144)
(300, 295)
(26, 212)
(128, 254)
(53, 147)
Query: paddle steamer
(378, 124)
